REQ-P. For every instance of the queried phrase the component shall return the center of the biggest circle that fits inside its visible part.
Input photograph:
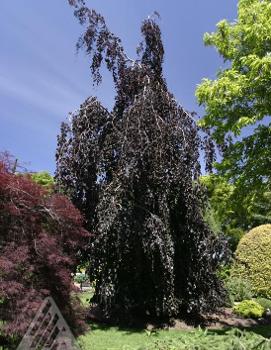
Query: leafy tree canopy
(43, 178)
(240, 97)
(231, 213)
(134, 173)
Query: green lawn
(102, 337)
(113, 338)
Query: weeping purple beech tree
(134, 172)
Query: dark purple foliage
(134, 173)
(40, 237)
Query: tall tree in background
(230, 215)
(241, 97)
(134, 173)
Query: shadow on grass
(108, 327)
(263, 330)
(141, 327)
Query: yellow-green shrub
(253, 260)
(249, 308)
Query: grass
(113, 338)
(103, 337)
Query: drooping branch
(135, 173)
(99, 42)
(104, 47)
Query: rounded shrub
(249, 308)
(253, 260)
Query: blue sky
(42, 78)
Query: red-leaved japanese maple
(40, 237)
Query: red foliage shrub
(40, 239)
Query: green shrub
(224, 272)
(249, 308)
(43, 178)
(238, 289)
(265, 303)
(253, 260)
(81, 278)
(235, 235)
